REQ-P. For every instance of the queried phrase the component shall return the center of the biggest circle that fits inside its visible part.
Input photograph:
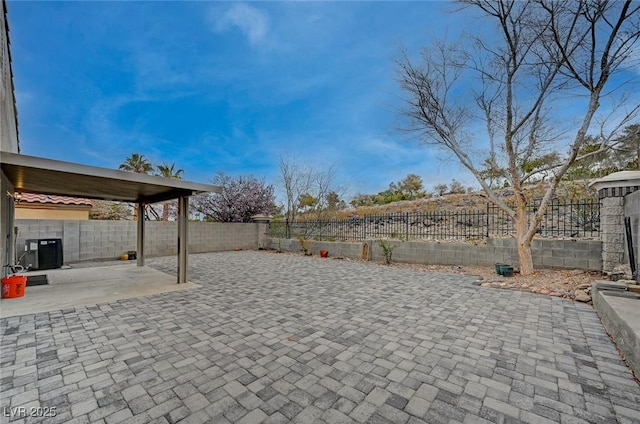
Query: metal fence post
(487, 219)
(407, 225)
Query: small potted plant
(304, 246)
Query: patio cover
(46, 176)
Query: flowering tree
(241, 198)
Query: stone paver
(271, 338)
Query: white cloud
(251, 21)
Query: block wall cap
(617, 179)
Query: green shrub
(387, 250)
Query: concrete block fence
(619, 195)
(101, 240)
(556, 254)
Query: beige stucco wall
(37, 213)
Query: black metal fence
(561, 220)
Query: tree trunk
(165, 212)
(525, 256)
(287, 227)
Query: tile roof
(51, 199)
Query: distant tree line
(409, 188)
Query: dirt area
(565, 282)
(571, 284)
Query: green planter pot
(498, 267)
(506, 271)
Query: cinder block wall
(99, 240)
(219, 236)
(632, 210)
(560, 254)
(612, 232)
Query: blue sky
(226, 87)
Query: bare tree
(306, 187)
(544, 58)
(295, 182)
(441, 189)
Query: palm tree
(136, 163)
(140, 165)
(167, 171)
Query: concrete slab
(610, 285)
(620, 316)
(88, 286)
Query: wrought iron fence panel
(570, 220)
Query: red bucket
(13, 286)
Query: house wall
(102, 240)
(53, 213)
(8, 123)
(558, 254)
(8, 141)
